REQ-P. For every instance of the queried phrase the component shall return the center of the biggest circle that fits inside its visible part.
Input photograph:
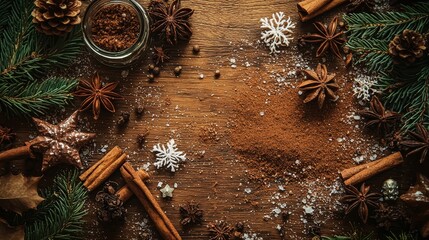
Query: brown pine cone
(408, 46)
(56, 17)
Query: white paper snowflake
(363, 87)
(168, 157)
(278, 31)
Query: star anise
(327, 37)
(96, 95)
(319, 85)
(171, 21)
(360, 199)
(360, 5)
(220, 231)
(383, 120)
(6, 137)
(159, 55)
(191, 214)
(419, 142)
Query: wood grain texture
(187, 108)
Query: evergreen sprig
(61, 215)
(404, 86)
(25, 58)
(385, 25)
(372, 52)
(35, 97)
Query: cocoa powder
(115, 28)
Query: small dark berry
(196, 49)
(217, 74)
(178, 70)
(156, 71)
(150, 77)
(123, 119)
(150, 68)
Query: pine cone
(407, 46)
(56, 17)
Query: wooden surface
(189, 109)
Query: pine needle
(25, 58)
(62, 217)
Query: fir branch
(64, 215)
(408, 94)
(402, 236)
(29, 54)
(36, 97)
(4, 9)
(385, 26)
(372, 53)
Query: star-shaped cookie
(59, 143)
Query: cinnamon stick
(323, 8)
(111, 155)
(161, 221)
(308, 7)
(125, 193)
(15, 153)
(349, 172)
(381, 165)
(101, 177)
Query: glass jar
(124, 57)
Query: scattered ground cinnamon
(115, 28)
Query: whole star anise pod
(96, 95)
(360, 5)
(383, 120)
(6, 136)
(360, 199)
(220, 231)
(191, 214)
(159, 55)
(171, 21)
(419, 142)
(319, 85)
(327, 37)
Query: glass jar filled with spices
(116, 32)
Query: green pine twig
(63, 218)
(27, 99)
(385, 25)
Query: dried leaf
(11, 233)
(19, 193)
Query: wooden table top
(188, 108)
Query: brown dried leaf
(19, 193)
(11, 233)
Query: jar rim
(126, 53)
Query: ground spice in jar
(115, 28)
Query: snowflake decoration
(168, 157)
(363, 87)
(278, 31)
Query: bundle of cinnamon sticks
(308, 9)
(115, 158)
(100, 171)
(360, 173)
